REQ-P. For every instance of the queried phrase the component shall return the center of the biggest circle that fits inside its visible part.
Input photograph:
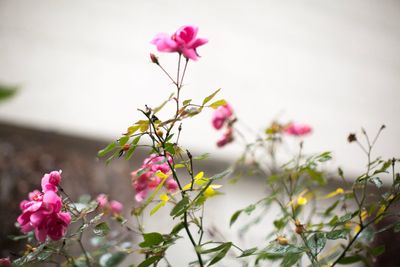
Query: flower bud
(299, 227)
(154, 59)
(126, 147)
(282, 241)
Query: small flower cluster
(42, 212)
(183, 41)
(113, 206)
(223, 116)
(292, 128)
(146, 178)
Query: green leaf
(112, 259)
(123, 140)
(170, 148)
(221, 254)
(336, 234)
(331, 208)
(220, 175)
(316, 243)
(208, 98)
(177, 228)
(376, 181)
(151, 239)
(132, 149)
(180, 207)
(378, 250)
(291, 259)
(150, 261)
(234, 217)
(157, 109)
(105, 150)
(218, 103)
(247, 252)
(102, 229)
(187, 102)
(346, 217)
(7, 91)
(350, 259)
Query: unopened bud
(159, 132)
(282, 240)
(154, 59)
(352, 138)
(126, 147)
(299, 227)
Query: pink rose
(226, 138)
(116, 207)
(50, 181)
(297, 129)
(5, 262)
(102, 199)
(183, 41)
(221, 115)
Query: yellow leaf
(335, 193)
(187, 187)
(199, 175)
(161, 174)
(209, 192)
(379, 213)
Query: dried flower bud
(352, 138)
(299, 227)
(159, 132)
(282, 240)
(154, 59)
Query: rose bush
(312, 228)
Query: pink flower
(5, 262)
(171, 185)
(42, 212)
(226, 138)
(297, 129)
(50, 181)
(116, 207)
(102, 199)
(55, 226)
(182, 41)
(145, 178)
(221, 115)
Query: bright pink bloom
(42, 212)
(171, 185)
(145, 178)
(182, 41)
(102, 199)
(221, 115)
(226, 138)
(297, 129)
(5, 262)
(50, 181)
(116, 207)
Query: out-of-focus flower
(183, 41)
(50, 181)
(102, 199)
(5, 262)
(42, 212)
(221, 115)
(297, 129)
(148, 176)
(226, 138)
(116, 207)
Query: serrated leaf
(102, 229)
(218, 103)
(151, 239)
(336, 234)
(180, 207)
(208, 98)
(316, 243)
(105, 150)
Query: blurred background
(83, 68)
